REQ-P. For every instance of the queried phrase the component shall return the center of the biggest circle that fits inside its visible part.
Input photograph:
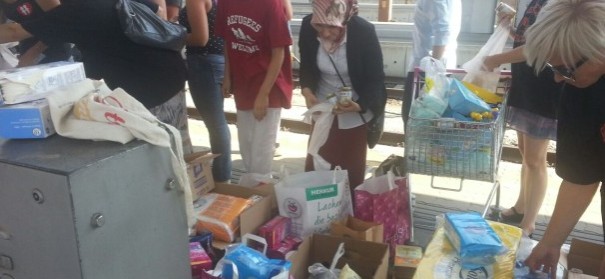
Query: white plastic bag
(431, 101)
(435, 76)
(323, 117)
(476, 74)
(313, 200)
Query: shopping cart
(459, 149)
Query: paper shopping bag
(385, 200)
(315, 199)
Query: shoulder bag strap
(344, 84)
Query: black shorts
(581, 134)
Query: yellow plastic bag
(486, 95)
(441, 260)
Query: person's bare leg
(520, 203)
(535, 180)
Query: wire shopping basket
(451, 148)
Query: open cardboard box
(407, 259)
(585, 256)
(253, 217)
(199, 171)
(367, 259)
(269, 189)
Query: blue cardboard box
(26, 120)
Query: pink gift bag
(385, 200)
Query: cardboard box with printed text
(251, 218)
(199, 169)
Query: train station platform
(429, 202)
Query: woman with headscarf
(339, 49)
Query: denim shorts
(531, 124)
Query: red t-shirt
(251, 28)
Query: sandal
(515, 218)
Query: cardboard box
(275, 231)
(27, 120)
(406, 261)
(368, 259)
(585, 256)
(253, 217)
(269, 189)
(289, 244)
(26, 84)
(358, 229)
(574, 275)
(199, 169)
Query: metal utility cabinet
(74, 209)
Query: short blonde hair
(570, 30)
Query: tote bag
(315, 199)
(385, 200)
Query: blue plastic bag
(251, 263)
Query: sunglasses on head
(565, 72)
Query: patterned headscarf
(334, 13)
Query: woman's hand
(504, 18)
(544, 258)
(310, 99)
(226, 87)
(489, 64)
(261, 103)
(347, 106)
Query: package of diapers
(476, 242)
(441, 259)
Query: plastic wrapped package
(432, 100)
(251, 263)
(464, 101)
(476, 242)
(428, 106)
(441, 259)
(348, 273)
(38, 81)
(319, 271)
(219, 214)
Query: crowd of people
(235, 48)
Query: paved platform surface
(429, 202)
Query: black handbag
(375, 129)
(143, 26)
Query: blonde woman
(531, 111)
(568, 39)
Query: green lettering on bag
(322, 192)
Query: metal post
(385, 9)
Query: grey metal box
(74, 209)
